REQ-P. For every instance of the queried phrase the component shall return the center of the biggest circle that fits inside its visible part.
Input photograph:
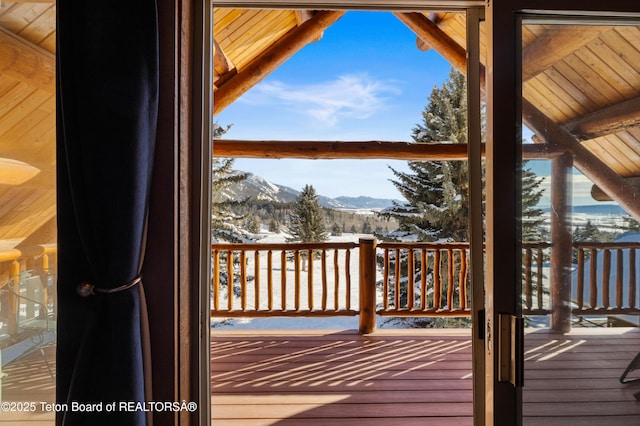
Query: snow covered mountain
(259, 188)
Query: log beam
(360, 150)
(606, 121)
(555, 44)
(23, 61)
(303, 16)
(422, 45)
(588, 163)
(273, 57)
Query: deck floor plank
(404, 377)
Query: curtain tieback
(86, 289)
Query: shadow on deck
(412, 377)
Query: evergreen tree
(274, 226)
(226, 223)
(532, 219)
(436, 192)
(253, 225)
(307, 218)
(587, 233)
(631, 224)
(336, 230)
(366, 228)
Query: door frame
(504, 129)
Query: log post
(13, 286)
(562, 243)
(367, 319)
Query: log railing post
(562, 244)
(367, 319)
(12, 320)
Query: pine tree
(631, 224)
(274, 226)
(225, 222)
(532, 219)
(307, 218)
(307, 221)
(436, 192)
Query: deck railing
(406, 279)
(259, 278)
(423, 279)
(535, 286)
(610, 285)
(15, 264)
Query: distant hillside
(597, 210)
(259, 188)
(363, 202)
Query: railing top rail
(32, 251)
(284, 246)
(11, 254)
(597, 245)
(536, 244)
(423, 245)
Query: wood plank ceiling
(581, 83)
(27, 123)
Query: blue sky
(364, 80)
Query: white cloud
(350, 96)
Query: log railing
(609, 285)
(14, 265)
(425, 279)
(252, 280)
(535, 286)
(405, 279)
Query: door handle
(511, 349)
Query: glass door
(580, 153)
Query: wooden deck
(412, 377)
(28, 381)
(392, 377)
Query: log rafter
(303, 16)
(614, 185)
(273, 57)
(612, 119)
(555, 44)
(26, 62)
(585, 161)
(222, 65)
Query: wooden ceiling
(581, 91)
(27, 123)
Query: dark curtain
(107, 100)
